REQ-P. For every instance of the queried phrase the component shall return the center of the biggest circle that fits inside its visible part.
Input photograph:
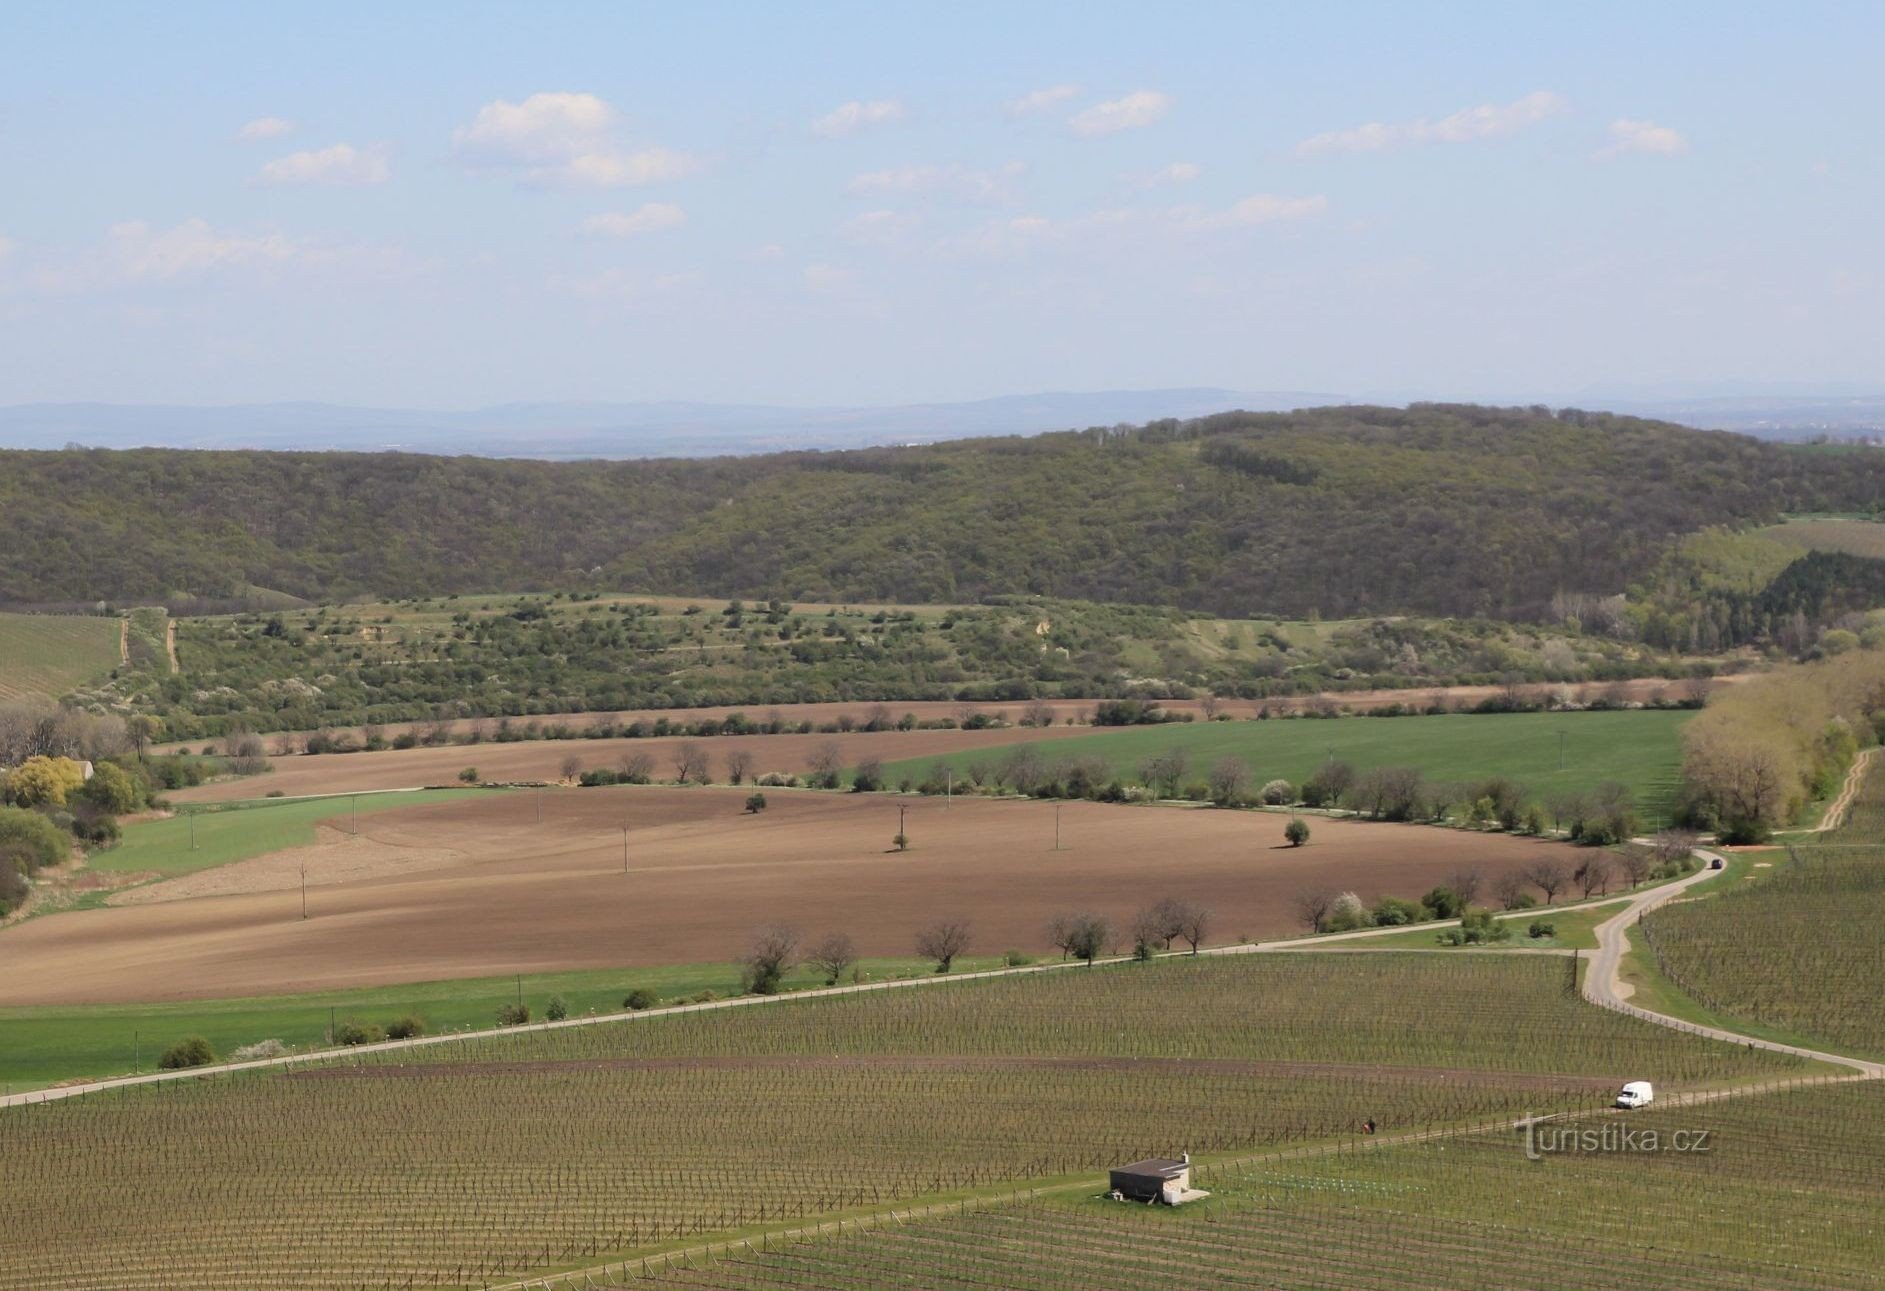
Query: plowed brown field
(702, 875)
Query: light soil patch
(337, 856)
(542, 760)
(702, 874)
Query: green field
(46, 1045)
(1572, 930)
(45, 655)
(1640, 748)
(203, 837)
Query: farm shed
(1155, 1179)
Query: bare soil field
(533, 760)
(702, 875)
(1638, 690)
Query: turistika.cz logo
(1543, 1138)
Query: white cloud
(849, 118)
(1642, 136)
(1041, 100)
(1179, 172)
(264, 128)
(650, 217)
(951, 180)
(821, 276)
(1133, 112)
(563, 139)
(1486, 121)
(1259, 208)
(340, 164)
(881, 226)
(136, 251)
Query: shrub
(1015, 959)
(755, 803)
(358, 1033)
(1346, 913)
(513, 1015)
(640, 998)
(1277, 793)
(469, 775)
(557, 1010)
(31, 836)
(1396, 912)
(1539, 928)
(405, 1028)
(1297, 832)
(1477, 927)
(1442, 903)
(191, 1051)
(901, 842)
(259, 1050)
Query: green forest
(1452, 510)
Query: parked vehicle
(1638, 1093)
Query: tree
(1209, 704)
(1297, 831)
(1151, 931)
(1550, 874)
(243, 752)
(1594, 873)
(1083, 936)
(44, 781)
(1312, 906)
(32, 841)
(739, 766)
(112, 790)
(1634, 863)
(637, 768)
(755, 803)
(1331, 783)
(833, 955)
(469, 775)
(869, 776)
(691, 763)
(1230, 779)
(1466, 883)
(191, 1051)
(572, 767)
(1166, 771)
(942, 941)
(825, 762)
(1191, 921)
(1038, 713)
(768, 959)
(1509, 887)
(1277, 793)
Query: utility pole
(900, 810)
(949, 786)
(354, 809)
(304, 889)
(625, 847)
(1057, 827)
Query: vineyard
(1799, 949)
(1788, 1194)
(466, 1161)
(46, 655)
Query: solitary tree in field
(769, 958)
(1296, 832)
(833, 956)
(739, 766)
(572, 767)
(942, 941)
(755, 803)
(469, 775)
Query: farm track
(1835, 814)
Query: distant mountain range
(562, 431)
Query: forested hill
(1438, 509)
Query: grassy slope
(1639, 748)
(47, 1045)
(245, 829)
(46, 655)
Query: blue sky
(454, 205)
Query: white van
(1638, 1093)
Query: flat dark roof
(1162, 1167)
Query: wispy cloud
(1628, 136)
(1468, 125)
(1041, 100)
(951, 181)
(1259, 208)
(1135, 111)
(264, 128)
(563, 139)
(650, 217)
(849, 118)
(341, 164)
(1178, 172)
(136, 251)
(822, 276)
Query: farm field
(499, 892)
(1639, 748)
(1853, 536)
(473, 1159)
(45, 655)
(541, 760)
(1786, 1197)
(1796, 948)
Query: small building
(1155, 1180)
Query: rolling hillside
(46, 655)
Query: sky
(454, 205)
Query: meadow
(1639, 748)
(463, 1162)
(42, 656)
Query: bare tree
(879, 718)
(833, 955)
(739, 766)
(1313, 906)
(1594, 873)
(572, 767)
(1466, 883)
(942, 941)
(1191, 921)
(1038, 713)
(690, 763)
(1083, 936)
(826, 761)
(1165, 772)
(1209, 705)
(1510, 887)
(637, 768)
(1634, 863)
(769, 958)
(868, 777)
(1060, 933)
(1149, 932)
(244, 753)
(1550, 874)
(1230, 780)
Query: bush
(513, 1015)
(1297, 832)
(640, 998)
(755, 803)
(1277, 793)
(1442, 903)
(358, 1033)
(1345, 914)
(405, 1028)
(557, 1010)
(29, 835)
(259, 1050)
(1477, 927)
(191, 1051)
(1395, 912)
(469, 775)
(1015, 959)
(1539, 928)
